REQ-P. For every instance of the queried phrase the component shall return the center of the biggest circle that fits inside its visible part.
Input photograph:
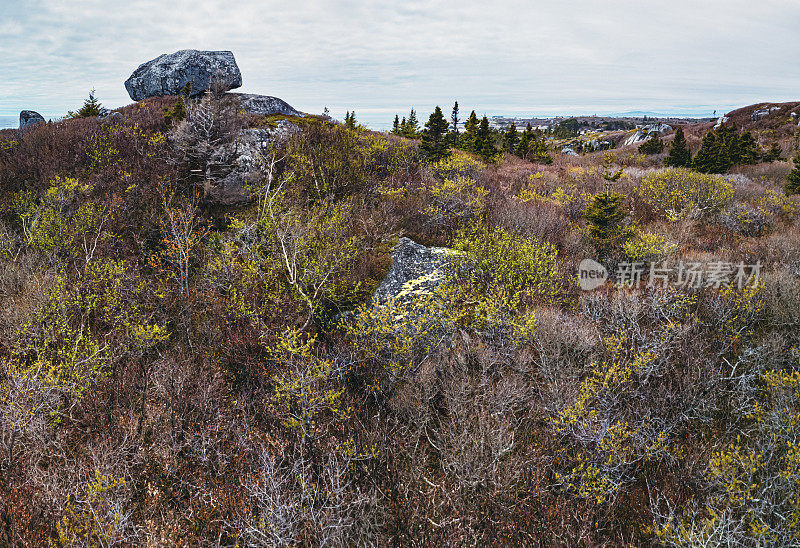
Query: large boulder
(29, 118)
(265, 105)
(416, 271)
(168, 74)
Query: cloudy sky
(500, 57)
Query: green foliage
(176, 113)
(511, 139)
(434, 142)
(647, 247)
(307, 387)
(793, 179)
(454, 133)
(350, 120)
(91, 107)
(97, 517)
(679, 193)
(604, 216)
(525, 268)
(723, 148)
(774, 153)
(679, 155)
(652, 146)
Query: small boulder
(168, 74)
(265, 105)
(28, 118)
(416, 271)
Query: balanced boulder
(168, 74)
(29, 118)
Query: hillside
(229, 329)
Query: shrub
(745, 220)
(679, 193)
(523, 266)
(647, 247)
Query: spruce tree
(774, 153)
(469, 141)
(454, 123)
(484, 141)
(396, 125)
(679, 155)
(748, 149)
(91, 107)
(793, 179)
(412, 126)
(350, 120)
(652, 146)
(706, 159)
(510, 139)
(434, 138)
(604, 216)
(524, 142)
(538, 151)
(404, 127)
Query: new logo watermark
(691, 275)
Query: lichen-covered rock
(265, 105)
(168, 74)
(28, 118)
(416, 271)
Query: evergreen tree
(679, 155)
(177, 112)
(793, 179)
(412, 126)
(524, 142)
(748, 149)
(604, 216)
(484, 141)
(396, 125)
(538, 151)
(511, 139)
(350, 120)
(705, 161)
(434, 138)
(652, 146)
(774, 153)
(91, 107)
(454, 123)
(403, 127)
(469, 141)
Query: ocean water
(9, 122)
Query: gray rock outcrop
(644, 133)
(168, 74)
(265, 105)
(416, 271)
(28, 118)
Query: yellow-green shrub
(680, 193)
(522, 266)
(647, 246)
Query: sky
(378, 58)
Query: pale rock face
(265, 105)
(28, 118)
(647, 132)
(416, 271)
(168, 74)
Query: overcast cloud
(537, 57)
